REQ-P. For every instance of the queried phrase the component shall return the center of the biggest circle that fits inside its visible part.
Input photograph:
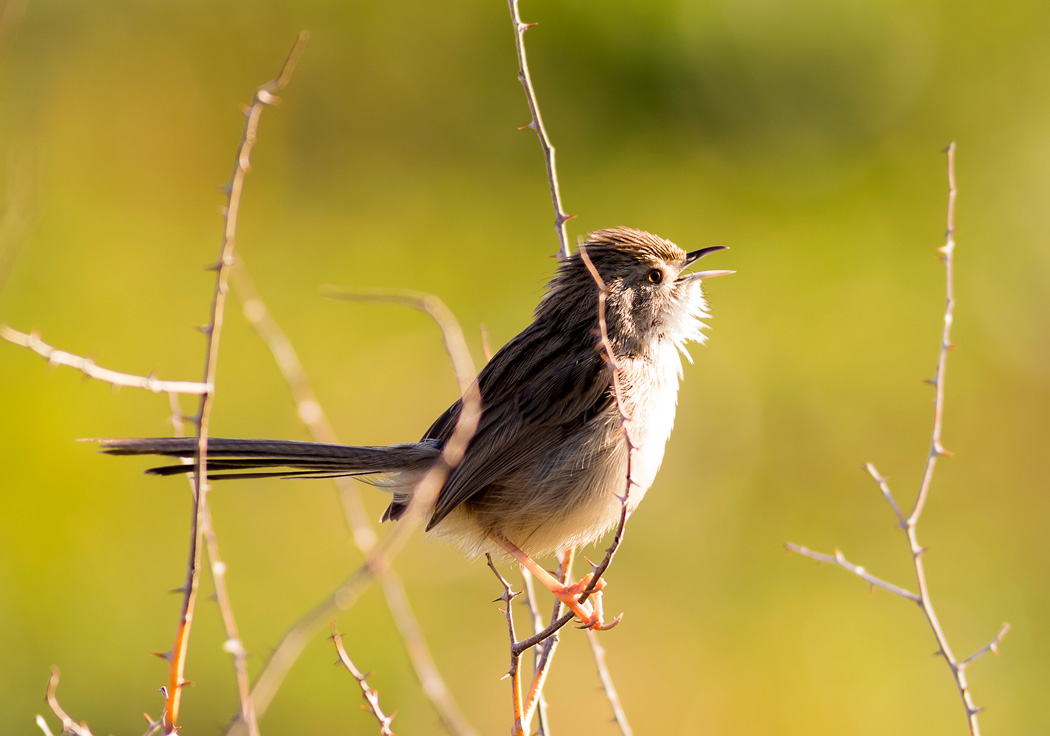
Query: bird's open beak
(697, 255)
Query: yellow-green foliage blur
(805, 135)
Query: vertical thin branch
(233, 644)
(625, 419)
(264, 96)
(370, 695)
(539, 660)
(596, 583)
(936, 450)
(536, 124)
(908, 524)
(519, 726)
(607, 684)
(947, 252)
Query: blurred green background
(806, 135)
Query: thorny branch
(909, 523)
(544, 656)
(558, 619)
(540, 660)
(536, 124)
(523, 710)
(619, 715)
(89, 368)
(837, 558)
(370, 695)
(264, 96)
(520, 725)
(233, 644)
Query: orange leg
(565, 592)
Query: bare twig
(42, 725)
(840, 559)
(520, 725)
(264, 96)
(538, 653)
(89, 368)
(370, 695)
(607, 684)
(313, 416)
(626, 423)
(621, 526)
(992, 646)
(885, 488)
(233, 644)
(909, 523)
(486, 349)
(68, 724)
(527, 709)
(536, 124)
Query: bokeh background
(805, 135)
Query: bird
(546, 469)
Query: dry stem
(909, 523)
(540, 660)
(68, 724)
(520, 724)
(370, 695)
(523, 710)
(264, 96)
(89, 368)
(619, 716)
(560, 218)
(233, 644)
(536, 124)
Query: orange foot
(591, 616)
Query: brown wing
(533, 397)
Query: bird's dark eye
(655, 276)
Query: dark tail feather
(228, 458)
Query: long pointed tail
(228, 458)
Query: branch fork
(909, 523)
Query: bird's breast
(653, 397)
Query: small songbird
(544, 471)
